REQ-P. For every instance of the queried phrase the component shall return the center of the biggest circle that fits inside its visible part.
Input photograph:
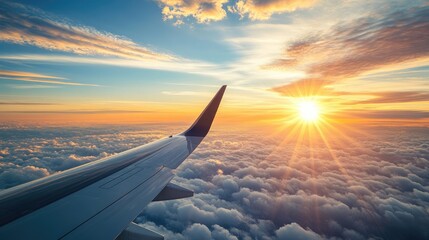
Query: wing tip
(202, 125)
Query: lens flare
(308, 111)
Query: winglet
(202, 125)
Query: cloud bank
(371, 185)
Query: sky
(322, 132)
(363, 62)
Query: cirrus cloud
(37, 78)
(25, 25)
(375, 43)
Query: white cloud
(203, 11)
(262, 193)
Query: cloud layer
(370, 185)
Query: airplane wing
(99, 200)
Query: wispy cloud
(36, 77)
(75, 111)
(396, 97)
(388, 114)
(25, 25)
(184, 65)
(27, 103)
(22, 24)
(376, 43)
(6, 73)
(320, 87)
(32, 86)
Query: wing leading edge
(98, 200)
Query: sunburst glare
(309, 111)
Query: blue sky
(140, 21)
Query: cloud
(38, 78)
(179, 65)
(320, 87)
(32, 86)
(396, 97)
(25, 25)
(389, 114)
(308, 196)
(27, 103)
(29, 26)
(12, 175)
(372, 184)
(264, 9)
(198, 231)
(214, 10)
(375, 43)
(72, 111)
(220, 233)
(203, 11)
(294, 231)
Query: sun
(308, 111)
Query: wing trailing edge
(173, 191)
(137, 232)
(202, 125)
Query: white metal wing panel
(109, 223)
(59, 218)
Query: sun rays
(308, 111)
(311, 130)
(311, 139)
